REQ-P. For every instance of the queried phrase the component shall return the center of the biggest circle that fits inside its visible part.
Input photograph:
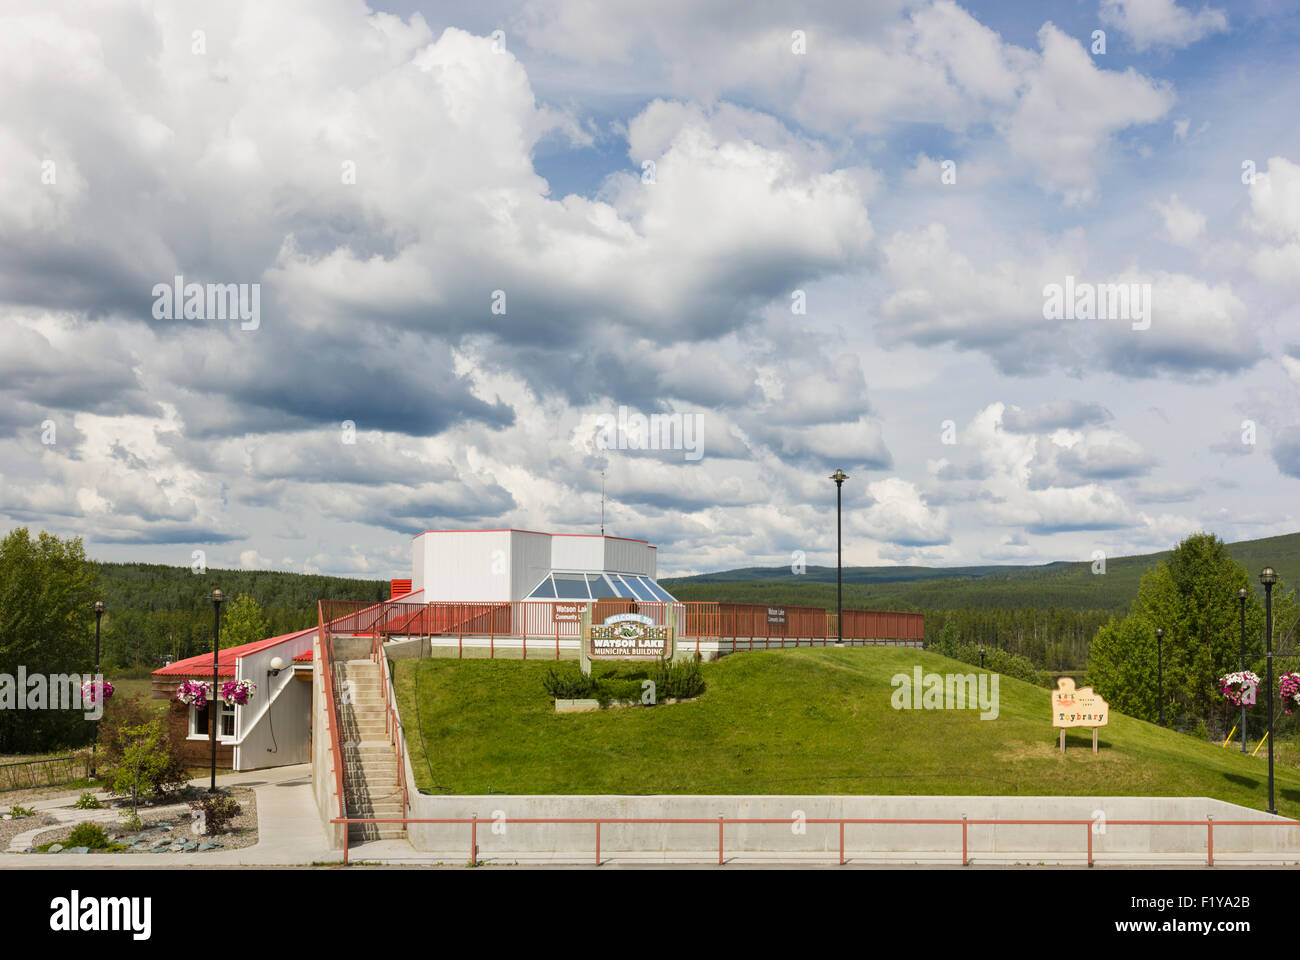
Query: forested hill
(1069, 585)
(1047, 613)
(154, 610)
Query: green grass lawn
(811, 720)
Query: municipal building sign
(629, 636)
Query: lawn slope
(808, 721)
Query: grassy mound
(808, 720)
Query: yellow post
(1261, 743)
(1229, 736)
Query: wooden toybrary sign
(1078, 708)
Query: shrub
(679, 679)
(87, 835)
(18, 812)
(145, 761)
(131, 820)
(214, 811)
(87, 801)
(565, 684)
(617, 688)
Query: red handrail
(1209, 823)
(335, 744)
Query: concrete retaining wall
(324, 782)
(668, 840)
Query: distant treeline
(154, 610)
(1049, 637)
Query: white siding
(476, 566)
(577, 553)
(418, 546)
(280, 735)
(472, 566)
(530, 560)
(628, 556)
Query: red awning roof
(201, 666)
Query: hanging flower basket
(1239, 688)
(237, 692)
(193, 692)
(95, 691)
(1289, 686)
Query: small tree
(141, 758)
(243, 622)
(148, 765)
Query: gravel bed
(160, 832)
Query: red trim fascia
(538, 533)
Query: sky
(480, 245)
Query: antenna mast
(602, 503)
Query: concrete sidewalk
(288, 826)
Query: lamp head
(218, 596)
(839, 476)
(276, 666)
(1160, 632)
(99, 606)
(1268, 576)
(1243, 593)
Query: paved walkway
(288, 826)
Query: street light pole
(217, 598)
(839, 476)
(1241, 596)
(99, 613)
(1160, 673)
(1268, 577)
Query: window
(659, 592)
(199, 721)
(600, 587)
(570, 586)
(545, 591)
(639, 590)
(620, 587)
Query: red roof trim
(537, 533)
(201, 665)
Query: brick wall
(193, 752)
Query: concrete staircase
(369, 763)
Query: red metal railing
(750, 624)
(721, 822)
(332, 718)
(392, 725)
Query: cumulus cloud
(1149, 23)
(1183, 224)
(1275, 217)
(901, 516)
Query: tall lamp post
(216, 598)
(1160, 673)
(99, 613)
(839, 476)
(1242, 594)
(1268, 577)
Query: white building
(474, 566)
